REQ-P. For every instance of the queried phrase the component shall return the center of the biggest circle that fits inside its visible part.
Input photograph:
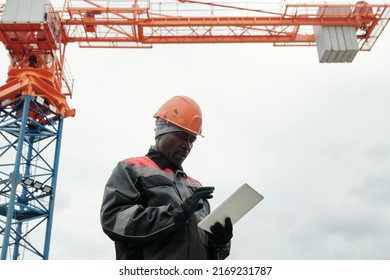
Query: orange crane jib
(37, 49)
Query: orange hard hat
(183, 112)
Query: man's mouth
(182, 154)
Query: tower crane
(34, 98)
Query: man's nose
(186, 143)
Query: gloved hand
(221, 235)
(191, 204)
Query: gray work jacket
(137, 212)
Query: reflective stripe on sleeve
(122, 220)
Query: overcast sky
(313, 138)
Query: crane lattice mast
(34, 98)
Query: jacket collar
(160, 160)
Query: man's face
(175, 146)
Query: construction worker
(151, 207)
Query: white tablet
(235, 206)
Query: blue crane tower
(32, 110)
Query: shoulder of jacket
(143, 161)
(194, 180)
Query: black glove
(221, 235)
(191, 204)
